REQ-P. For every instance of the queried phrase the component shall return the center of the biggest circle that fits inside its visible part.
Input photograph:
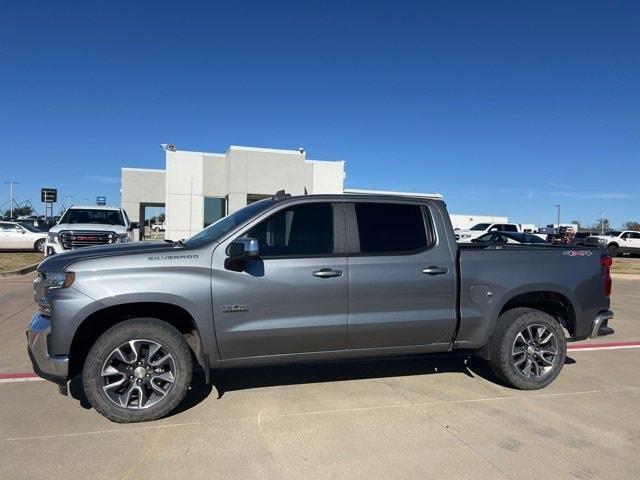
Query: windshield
(480, 226)
(223, 226)
(29, 227)
(103, 217)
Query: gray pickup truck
(316, 277)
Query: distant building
(465, 222)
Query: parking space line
(603, 346)
(19, 377)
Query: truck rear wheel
(138, 370)
(529, 348)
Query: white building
(198, 188)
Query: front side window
(390, 228)
(509, 228)
(300, 230)
(480, 227)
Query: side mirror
(239, 251)
(134, 225)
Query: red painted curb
(603, 345)
(4, 376)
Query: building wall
(241, 171)
(141, 185)
(464, 222)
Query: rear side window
(390, 228)
(301, 230)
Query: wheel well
(613, 244)
(99, 322)
(553, 303)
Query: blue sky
(505, 107)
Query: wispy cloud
(104, 179)
(560, 185)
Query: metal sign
(49, 195)
(101, 200)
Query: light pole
(11, 183)
(558, 207)
(601, 223)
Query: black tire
(151, 330)
(503, 361)
(39, 246)
(612, 251)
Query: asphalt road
(426, 417)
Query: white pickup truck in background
(466, 236)
(617, 242)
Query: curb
(20, 271)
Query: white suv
(83, 226)
(617, 242)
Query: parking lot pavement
(419, 417)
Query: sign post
(48, 196)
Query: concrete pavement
(426, 417)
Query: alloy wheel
(138, 374)
(534, 351)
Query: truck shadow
(237, 379)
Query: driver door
(293, 298)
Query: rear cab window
(391, 228)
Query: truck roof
(92, 207)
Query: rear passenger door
(401, 276)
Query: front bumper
(600, 326)
(56, 368)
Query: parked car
(510, 237)
(158, 227)
(315, 277)
(15, 236)
(476, 231)
(83, 226)
(617, 242)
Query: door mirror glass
(239, 251)
(242, 248)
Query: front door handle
(432, 270)
(327, 273)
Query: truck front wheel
(529, 348)
(138, 370)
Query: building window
(214, 210)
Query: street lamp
(558, 207)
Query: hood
(95, 227)
(60, 261)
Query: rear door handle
(432, 270)
(327, 273)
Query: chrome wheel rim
(534, 351)
(138, 374)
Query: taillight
(606, 263)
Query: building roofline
(163, 170)
(357, 191)
(325, 161)
(267, 150)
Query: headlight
(465, 235)
(602, 240)
(52, 280)
(52, 237)
(123, 237)
(46, 281)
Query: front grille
(70, 239)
